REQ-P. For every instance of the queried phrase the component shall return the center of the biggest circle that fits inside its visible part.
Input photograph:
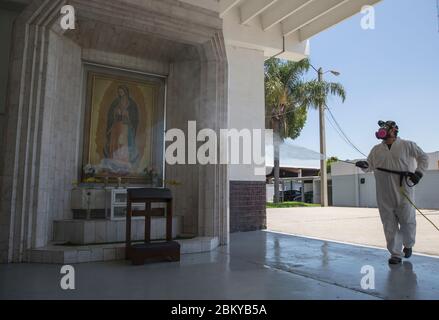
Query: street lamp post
(323, 169)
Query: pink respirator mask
(382, 133)
(385, 127)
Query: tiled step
(84, 232)
(59, 254)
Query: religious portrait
(119, 125)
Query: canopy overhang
(280, 27)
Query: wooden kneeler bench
(139, 252)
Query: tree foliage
(287, 100)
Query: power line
(343, 134)
(335, 125)
(344, 138)
(330, 121)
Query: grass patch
(291, 204)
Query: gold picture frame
(119, 121)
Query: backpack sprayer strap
(402, 175)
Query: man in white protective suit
(397, 164)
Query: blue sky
(390, 73)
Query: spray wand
(405, 195)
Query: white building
(351, 187)
(206, 59)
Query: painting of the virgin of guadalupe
(122, 123)
(119, 125)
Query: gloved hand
(362, 164)
(416, 177)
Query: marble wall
(45, 109)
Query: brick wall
(247, 206)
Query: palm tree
(288, 98)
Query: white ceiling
(302, 17)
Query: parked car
(292, 195)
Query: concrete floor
(257, 265)
(352, 225)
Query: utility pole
(323, 170)
(437, 6)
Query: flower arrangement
(154, 177)
(89, 173)
(89, 170)
(151, 175)
(174, 183)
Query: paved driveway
(352, 225)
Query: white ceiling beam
(212, 5)
(346, 11)
(226, 5)
(308, 14)
(251, 8)
(280, 11)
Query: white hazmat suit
(397, 214)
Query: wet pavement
(257, 265)
(352, 225)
